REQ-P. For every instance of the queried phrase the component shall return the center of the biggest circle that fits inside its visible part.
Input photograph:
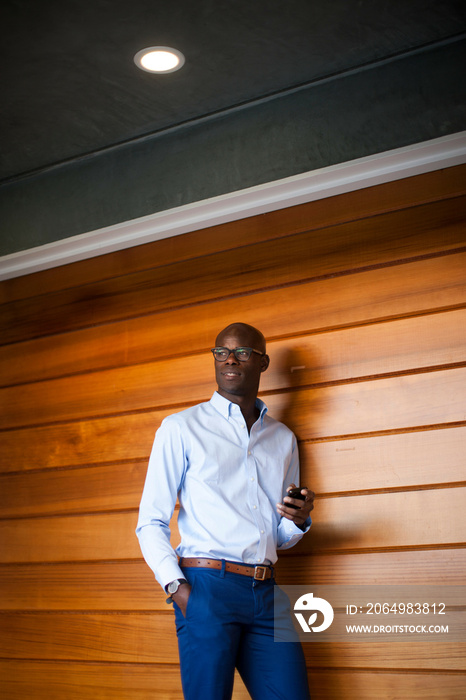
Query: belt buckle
(260, 573)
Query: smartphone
(294, 493)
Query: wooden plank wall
(363, 300)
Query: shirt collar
(223, 406)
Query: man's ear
(265, 361)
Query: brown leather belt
(259, 573)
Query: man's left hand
(299, 516)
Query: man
(230, 466)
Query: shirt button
(255, 507)
(262, 532)
(252, 478)
(249, 452)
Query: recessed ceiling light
(159, 59)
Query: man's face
(235, 378)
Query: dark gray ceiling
(70, 88)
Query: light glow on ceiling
(159, 59)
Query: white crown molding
(427, 156)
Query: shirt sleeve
(290, 534)
(165, 473)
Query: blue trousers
(230, 624)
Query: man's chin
(230, 390)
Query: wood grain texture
(392, 196)
(65, 491)
(380, 521)
(398, 403)
(348, 685)
(395, 346)
(62, 680)
(65, 400)
(151, 638)
(278, 262)
(362, 299)
(412, 288)
(403, 655)
(72, 538)
(388, 521)
(425, 566)
(134, 638)
(106, 440)
(130, 585)
(393, 461)
(45, 680)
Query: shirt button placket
(253, 483)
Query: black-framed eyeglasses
(242, 354)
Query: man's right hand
(181, 597)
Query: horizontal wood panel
(348, 685)
(425, 566)
(400, 194)
(135, 388)
(278, 262)
(101, 488)
(398, 460)
(385, 404)
(366, 367)
(367, 296)
(134, 637)
(382, 462)
(86, 442)
(403, 655)
(58, 680)
(381, 348)
(405, 519)
(61, 680)
(137, 638)
(109, 392)
(72, 538)
(131, 585)
(394, 346)
(313, 413)
(377, 521)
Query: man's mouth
(230, 374)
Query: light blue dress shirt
(228, 483)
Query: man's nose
(232, 358)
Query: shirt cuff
(290, 533)
(292, 528)
(305, 526)
(169, 572)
